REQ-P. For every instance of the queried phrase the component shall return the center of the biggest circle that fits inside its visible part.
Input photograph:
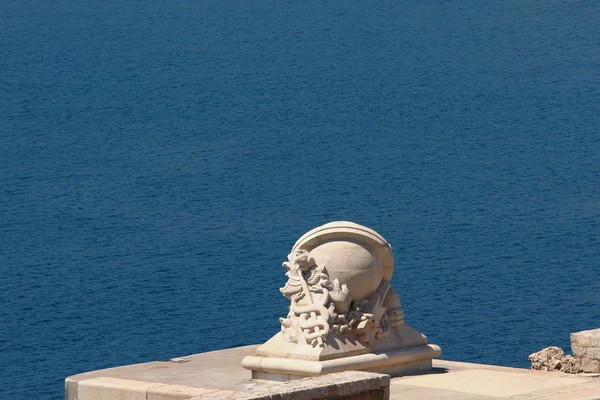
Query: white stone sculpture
(343, 313)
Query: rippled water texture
(159, 159)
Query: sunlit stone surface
(343, 314)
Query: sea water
(159, 159)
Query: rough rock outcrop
(548, 359)
(585, 358)
(554, 359)
(570, 365)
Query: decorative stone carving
(320, 305)
(343, 313)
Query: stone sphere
(352, 263)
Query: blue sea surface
(159, 159)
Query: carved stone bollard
(343, 313)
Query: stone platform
(219, 375)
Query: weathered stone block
(580, 339)
(351, 385)
(588, 365)
(586, 347)
(593, 353)
(175, 392)
(114, 388)
(589, 338)
(579, 351)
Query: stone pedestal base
(395, 362)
